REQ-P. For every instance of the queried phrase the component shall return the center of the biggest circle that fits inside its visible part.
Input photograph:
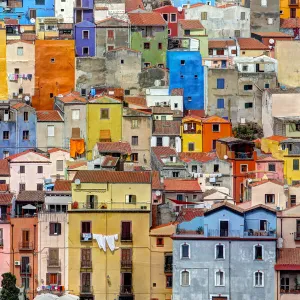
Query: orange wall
(19, 225)
(53, 77)
(208, 134)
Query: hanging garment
(110, 239)
(29, 76)
(76, 147)
(100, 240)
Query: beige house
(20, 64)
(59, 159)
(137, 131)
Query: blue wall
(22, 13)
(193, 87)
(178, 3)
(194, 224)
(253, 217)
(80, 42)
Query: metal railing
(256, 233)
(126, 237)
(86, 264)
(297, 236)
(114, 205)
(86, 289)
(126, 289)
(168, 268)
(244, 155)
(86, 237)
(223, 233)
(25, 245)
(53, 263)
(293, 2)
(126, 264)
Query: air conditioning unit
(243, 120)
(17, 263)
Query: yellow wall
(195, 138)
(3, 75)
(95, 124)
(253, 53)
(107, 263)
(284, 6)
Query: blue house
(85, 38)
(181, 3)
(17, 128)
(26, 11)
(84, 11)
(186, 72)
(230, 255)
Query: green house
(149, 35)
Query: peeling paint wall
(3, 76)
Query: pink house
(266, 165)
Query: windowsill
(220, 285)
(159, 245)
(258, 259)
(185, 258)
(256, 286)
(219, 259)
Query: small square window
(17, 71)
(147, 65)
(40, 169)
(51, 95)
(62, 9)
(20, 51)
(52, 60)
(5, 135)
(147, 46)
(272, 167)
(85, 50)
(191, 147)
(166, 17)
(159, 242)
(173, 18)
(189, 98)
(5, 153)
(244, 168)
(182, 62)
(216, 168)
(104, 113)
(135, 157)
(248, 87)
(122, 61)
(220, 103)
(85, 34)
(160, 46)
(39, 187)
(175, 105)
(161, 66)
(169, 31)
(127, 92)
(248, 105)
(22, 169)
(187, 32)
(216, 128)
(237, 33)
(245, 68)
(25, 135)
(267, 85)
(83, 93)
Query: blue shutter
(220, 83)
(220, 103)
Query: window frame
(20, 51)
(224, 277)
(220, 101)
(50, 130)
(189, 251)
(262, 252)
(146, 43)
(241, 168)
(273, 165)
(88, 51)
(216, 245)
(39, 169)
(185, 270)
(59, 169)
(218, 127)
(262, 279)
(193, 146)
(88, 34)
(134, 140)
(220, 83)
(24, 138)
(108, 113)
(273, 198)
(171, 15)
(73, 111)
(5, 135)
(160, 244)
(294, 160)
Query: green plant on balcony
(200, 230)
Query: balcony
(53, 263)
(293, 2)
(297, 236)
(86, 264)
(223, 233)
(168, 268)
(126, 290)
(26, 246)
(126, 237)
(86, 289)
(244, 155)
(25, 269)
(86, 237)
(264, 233)
(126, 264)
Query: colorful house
(289, 9)
(251, 47)
(149, 35)
(83, 11)
(104, 121)
(185, 3)
(267, 165)
(85, 39)
(116, 206)
(3, 75)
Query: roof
(62, 185)
(65, 26)
(156, 183)
(290, 23)
(11, 21)
(196, 112)
(13, 156)
(260, 206)
(164, 110)
(76, 165)
(177, 92)
(190, 24)
(26, 36)
(4, 167)
(217, 44)
(257, 183)
(178, 184)
(133, 4)
(110, 18)
(251, 44)
(267, 158)
(164, 151)
(166, 128)
(288, 259)
(233, 140)
(48, 116)
(192, 117)
(110, 161)
(72, 97)
(277, 138)
(95, 176)
(52, 150)
(188, 214)
(215, 119)
(138, 100)
(147, 19)
(114, 147)
(6, 198)
(274, 34)
(4, 187)
(18, 105)
(225, 204)
(197, 156)
(31, 196)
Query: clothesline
(109, 239)
(17, 76)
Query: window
(39, 187)
(293, 200)
(52, 60)
(85, 34)
(160, 46)
(175, 174)
(285, 283)
(295, 164)
(293, 12)
(263, 225)
(185, 278)
(258, 252)
(109, 48)
(104, 113)
(191, 146)
(220, 51)
(248, 87)
(237, 33)
(161, 66)
(134, 140)
(85, 50)
(166, 17)
(59, 165)
(25, 135)
(220, 83)
(244, 168)
(220, 251)
(110, 34)
(270, 198)
(159, 242)
(216, 128)
(86, 257)
(245, 68)
(130, 199)
(25, 116)
(159, 141)
(50, 130)
(22, 187)
(243, 15)
(216, 168)
(187, 32)
(51, 95)
(270, 21)
(181, 76)
(182, 62)
(196, 76)
(204, 15)
(39, 2)
(40, 169)
(175, 105)
(5, 154)
(185, 250)
(263, 2)
(122, 61)
(32, 13)
(17, 71)
(126, 231)
(25, 282)
(86, 227)
(20, 51)
(147, 46)
(75, 114)
(179, 197)
(220, 103)
(173, 18)
(55, 228)
(194, 168)
(6, 135)
(267, 85)
(272, 167)
(135, 157)
(258, 279)
(219, 278)
(248, 105)
(22, 169)
(169, 281)
(134, 123)
(189, 98)
(169, 31)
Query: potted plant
(75, 205)
(200, 230)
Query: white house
(65, 10)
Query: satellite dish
(26, 98)
(179, 9)
(38, 289)
(60, 96)
(77, 181)
(157, 193)
(32, 20)
(22, 30)
(271, 41)
(225, 156)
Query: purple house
(83, 11)
(85, 39)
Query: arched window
(258, 252)
(185, 250)
(185, 278)
(219, 251)
(219, 278)
(258, 279)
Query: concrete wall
(171, 100)
(68, 10)
(3, 74)
(148, 77)
(44, 141)
(5, 250)
(54, 157)
(263, 168)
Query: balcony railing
(25, 245)
(224, 233)
(86, 289)
(126, 264)
(255, 233)
(126, 289)
(114, 205)
(168, 268)
(244, 155)
(126, 237)
(53, 263)
(297, 236)
(86, 264)
(293, 2)
(25, 269)
(86, 237)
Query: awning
(105, 136)
(29, 206)
(290, 267)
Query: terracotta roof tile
(4, 167)
(65, 26)
(48, 116)
(166, 110)
(197, 156)
(220, 44)
(114, 147)
(164, 151)
(179, 202)
(62, 185)
(191, 24)
(290, 23)
(18, 105)
(277, 138)
(288, 259)
(28, 36)
(187, 185)
(13, 156)
(110, 161)
(147, 19)
(195, 112)
(52, 150)
(260, 206)
(156, 183)
(131, 5)
(225, 204)
(166, 128)
(138, 100)
(257, 183)
(76, 165)
(267, 158)
(11, 21)
(188, 214)
(31, 196)
(196, 5)
(72, 97)
(93, 176)
(251, 44)
(4, 187)
(272, 34)
(177, 92)
(110, 18)
(215, 119)
(6, 198)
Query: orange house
(24, 259)
(214, 128)
(54, 71)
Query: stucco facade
(59, 159)
(85, 39)
(5, 229)
(64, 9)
(3, 76)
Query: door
(126, 231)
(25, 265)
(263, 225)
(86, 258)
(25, 238)
(78, 16)
(126, 283)
(224, 226)
(223, 64)
(298, 229)
(85, 282)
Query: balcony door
(298, 229)
(86, 282)
(126, 282)
(224, 227)
(25, 238)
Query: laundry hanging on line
(102, 240)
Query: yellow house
(162, 261)
(3, 75)
(106, 204)
(287, 150)
(191, 134)
(104, 121)
(47, 28)
(251, 47)
(289, 9)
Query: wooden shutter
(58, 278)
(76, 133)
(51, 229)
(126, 229)
(126, 254)
(47, 278)
(25, 236)
(54, 253)
(86, 279)
(58, 228)
(86, 227)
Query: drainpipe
(229, 270)
(33, 275)
(12, 247)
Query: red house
(171, 14)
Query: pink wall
(263, 166)
(5, 250)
